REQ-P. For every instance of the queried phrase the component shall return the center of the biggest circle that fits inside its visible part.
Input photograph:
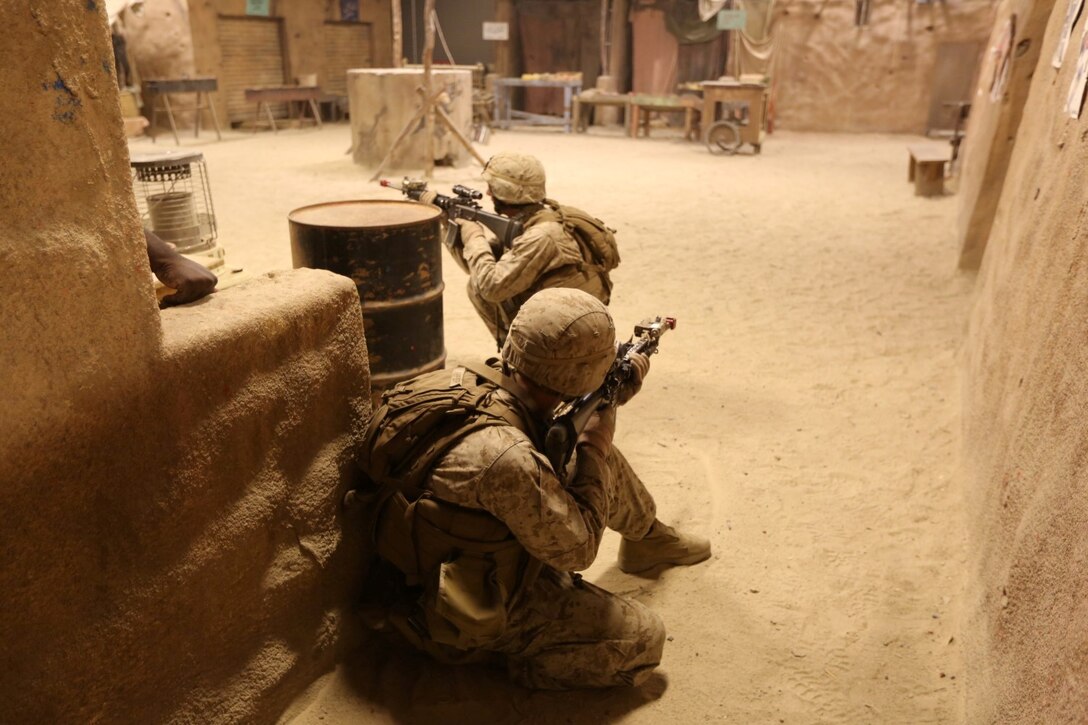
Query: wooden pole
(505, 49)
(617, 48)
(398, 33)
(428, 108)
(400, 139)
(604, 38)
(428, 53)
(445, 119)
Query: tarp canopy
(116, 7)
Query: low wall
(170, 482)
(1025, 448)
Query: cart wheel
(757, 147)
(723, 137)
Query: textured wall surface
(303, 34)
(991, 129)
(1025, 399)
(169, 483)
(384, 100)
(833, 76)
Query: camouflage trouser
(566, 633)
(492, 313)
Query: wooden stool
(927, 169)
(583, 104)
(641, 110)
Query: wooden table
(743, 104)
(505, 115)
(642, 109)
(160, 89)
(284, 94)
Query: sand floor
(804, 415)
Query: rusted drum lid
(362, 214)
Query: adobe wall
(833, 76)
(170, 482)
(303, 32)
(1025, 449)
(992, 127)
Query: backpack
(420, 419)
(593, 235)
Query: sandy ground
(804, 415)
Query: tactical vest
(596, 241)
(468, 565)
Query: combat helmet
(562, 339)
(515, 178)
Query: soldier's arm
(498, 280)
(498, 470)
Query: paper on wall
(1075, 100)
(1071, 14)
(1002, 53)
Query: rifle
(571, 419)
(463, 205)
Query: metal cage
(174, 198)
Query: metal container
(392, 250)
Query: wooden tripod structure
(429, 109)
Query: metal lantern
(174, 198)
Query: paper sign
(1071, 14)
(258, 7)
(496, 31)
(732, 19)
(1075, 100)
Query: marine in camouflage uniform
(545, 255)
(519, 603)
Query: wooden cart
(734, 114)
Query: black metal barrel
(392, 251)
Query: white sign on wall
(496, 31)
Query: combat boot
(662, 545)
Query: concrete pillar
(384, 100)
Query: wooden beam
(618, 61)
(398, 32)
(428, 53)
(505, 50)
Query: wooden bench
(584, 102)
(927, 168)
(284, 94)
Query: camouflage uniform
(487, 536)
(563, 631)
(545, 255)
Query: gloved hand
(599, 430)
(640, 365)
(473, 238)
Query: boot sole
(686, 561)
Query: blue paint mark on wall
(66, 101)
(107, 66)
